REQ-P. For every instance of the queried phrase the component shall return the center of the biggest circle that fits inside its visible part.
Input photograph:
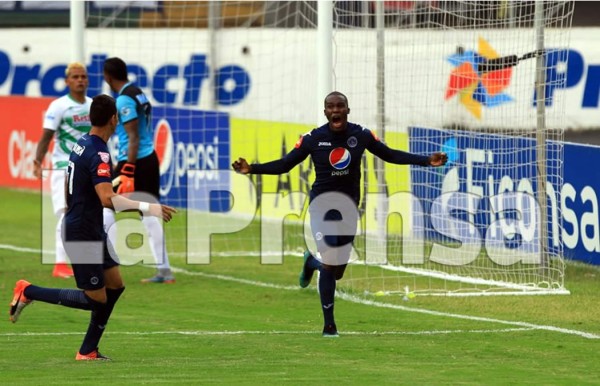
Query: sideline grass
(240, 333)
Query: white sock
(61, 254)
(157, 242)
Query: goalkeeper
(336, 149)
(137, 168)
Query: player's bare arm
(438, 159)
(241, 166)
(42, 149)
(110, 199)
(131, 128)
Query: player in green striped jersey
(66, 120)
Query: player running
(336, 149)
(89, 189)
(66, 119)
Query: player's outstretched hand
(438, 159)
(241, 166)
(163, 211)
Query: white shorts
(58, 190)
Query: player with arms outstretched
(89, 189)
(137, 167)
(66, 119)
(336, 149)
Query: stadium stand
(195, 14)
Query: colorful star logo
(476, 88)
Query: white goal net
(474, 79)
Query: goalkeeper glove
(126, 182)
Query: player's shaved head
(102, 110)
(336, 93)
(116, 68)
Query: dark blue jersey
(337, 158)
(89, 164)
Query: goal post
(540, 130)
(473, 79)
(487, 212)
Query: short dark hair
(102, 110)
(336, 93)
(116, 68)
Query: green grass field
(238, 322)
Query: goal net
(474, 79)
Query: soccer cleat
(19, 300)
(62, 270)
(93, 356)
(307, 272)
(160, 279)
(330, 331)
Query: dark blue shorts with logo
(89, 260)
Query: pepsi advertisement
(192, 146)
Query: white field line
(22, 249)
(359, 300)
(225, 333)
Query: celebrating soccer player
(137, 167)
(336, 149)
(89, 189)
(66, 119)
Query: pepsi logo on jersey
(339, 158)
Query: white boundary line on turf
(21, 249)
(358, 300)
(225, 333)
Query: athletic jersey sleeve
(399, 157)
(127, 109)
(99, 169)
(298, 154)
(53, 116)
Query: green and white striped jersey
(70, 120)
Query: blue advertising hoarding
(193, 146)
(579, 203)
(485, 165)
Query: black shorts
(147, 174)
(327, 243)
(88, 271)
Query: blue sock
(327, 293)
(66, 297)
(314, 263)
(100, 315)
(95, 329)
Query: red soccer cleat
(19, 300)
(62, 270)
(93, 356)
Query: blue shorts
(90, 263)
(326, 241)
(334, 249)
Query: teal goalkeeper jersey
(133, 104)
